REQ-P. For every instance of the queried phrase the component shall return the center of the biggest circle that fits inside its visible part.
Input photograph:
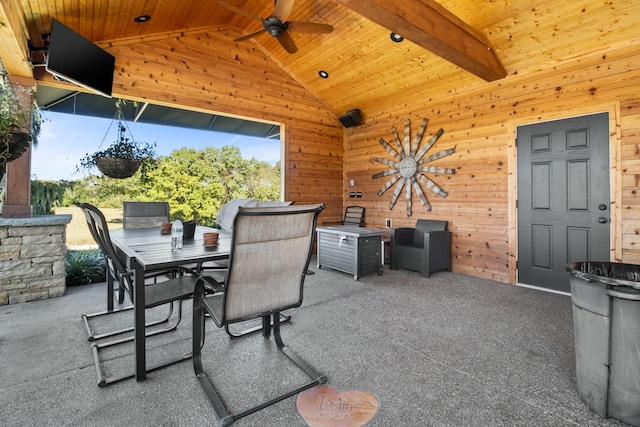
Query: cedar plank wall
(480, 121)
(208, 72)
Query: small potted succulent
(123, 157)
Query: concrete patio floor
(451, 350)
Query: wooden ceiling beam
(14, 48)
(431, 26)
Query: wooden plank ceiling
(363, 63)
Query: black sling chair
(270, 252)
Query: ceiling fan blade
(238, 11)
(287, 43)
(309, 27)
(250, 36)
(283, 9)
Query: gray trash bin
(606, 320)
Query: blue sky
(65, 138)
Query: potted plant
(123, 157)
(16, 130)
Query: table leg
(110, 291)
(138, 324)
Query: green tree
(196, 183)
(263, 180)
(189, 180)
(104, 191)
(45, 195)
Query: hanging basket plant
(17, 132)
(13, 144)
(122, 158)
(117, 167)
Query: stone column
(32, 258)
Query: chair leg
(197, 343)
(283, 319)
(92, 335)
(95, 347)
(95, 337)
(110, 292)
(111, 295)
(311, 373)
(169, 328)
(104, 381)
(216, 402)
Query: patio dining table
(145, 250)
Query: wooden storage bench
(350, 249)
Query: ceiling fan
(277, 25)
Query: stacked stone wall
(32, 258)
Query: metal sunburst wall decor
(409, 168)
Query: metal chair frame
(112, 292)
(221, 308)
(174, 289)
(353, 215)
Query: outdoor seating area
(434, 204)
(458, 350)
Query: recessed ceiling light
(396, 37)
(142, 18)
(323, 74)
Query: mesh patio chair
(168, 291)
(353, 215)
(111, 278)
(226, 217)
(144, 214)
(270, 252)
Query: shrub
(85, 267)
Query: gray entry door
(563, 198)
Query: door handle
(602, 220)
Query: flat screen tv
(73, 58)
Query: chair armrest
(403, 236)
(435, 239)
(214, 281)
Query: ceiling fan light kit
(277, 25)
